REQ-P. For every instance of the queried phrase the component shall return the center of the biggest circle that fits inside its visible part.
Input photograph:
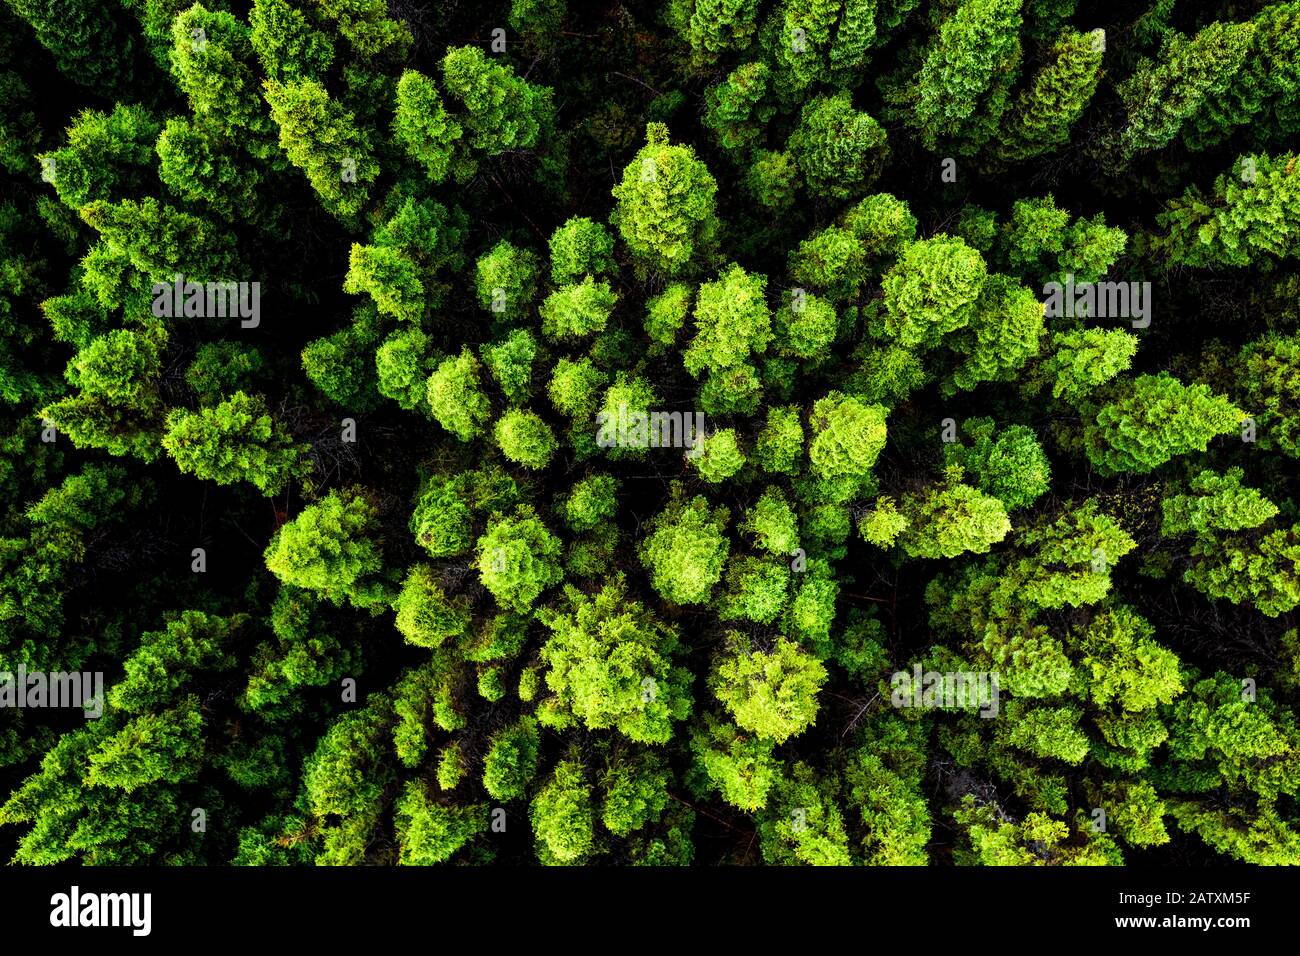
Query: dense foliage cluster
(518, 431)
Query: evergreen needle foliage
(606, 433)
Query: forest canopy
(829, 432)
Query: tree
(518, 558)
(990, 839)
(580, 247)
(593, 501)
(732, 321)
(1249, 215)
(1003, 334)
(806, 327)
(757, 589)
(118, 406)
(287, 43)
(456, 397)
(803, 825)
(1245, 746)
(538, 20)
(772, 693)
(734, 108)
(963, 86)
(740, 766)
(855, 35)
(343, 776)
(502, 111)
(1270, 383)
(848, 435)
(1047, 109)
(887, 791)
(721, 457)
(578, 310)
(575, 387)
(237, 440)
(159, 240)
(20, 134)
(511, 760)
(524, 438)
(780, 443)
(399, 268)
(563, 815)
(1124, 665)
(1058, 561)
(685, 550)
(196, 162)
(1154, 419)
(166, 746)
(1164, 93)
(772, 522)
(440, 521)
(772, 179)
(211, 59)
(716, 27)
(341, 365)
(422, 126)
(168, 659)
(1079, 361)
(840, 150)
(403, 364)
(323, 139)
(88, 44)
(511, 361)
(1219, 503)
(610, 664)
(107, 156)
(77, 821)
(952, 519)
(1264, 86)
(665, 206)
(797, 37)
(636, 792)
(426, 616)
(430, 832)
(365, 25)
(1007, 463)
(1261, 569)
(932, 290)
(327, 548)
(506, 280)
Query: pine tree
(963, 87)
(502, 111)
(237, 440)
(328, 549)
(322, 138)
(1249, 216)
(1154, 419)
(665, 206)
(422, 126)
(1047, 109)
(840, 150)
